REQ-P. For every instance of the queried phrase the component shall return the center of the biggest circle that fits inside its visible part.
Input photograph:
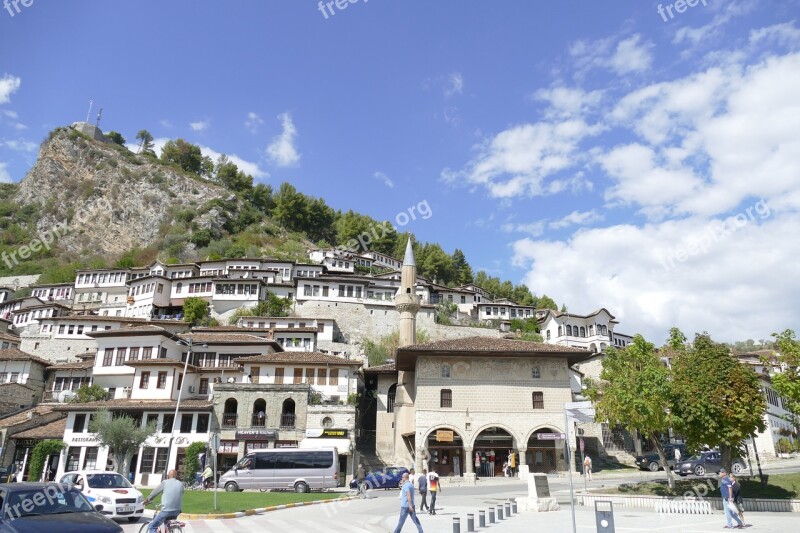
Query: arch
(493, 445)
(583, 331)
(603, 346)
(544, 456)
(259, 418)
(593, 348)
(390, 397)
(446, 457)
(287, 414)
(543, 428)
(569, 330)
(230, 412)
(490, 425)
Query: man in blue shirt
(171, 500)
(728, 506)
(407, 505)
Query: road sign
(551, 436)
(213, 443)
(582, 446)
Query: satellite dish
(65, 395)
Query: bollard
(508, 509)
(491, 515)
(499, 512)
(456, 525)
(514, 506)
(481, 518)
(470, 522)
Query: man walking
(171, 500)
(434, 488)
(728, 505)
(361, 475)
(407, 505)
(587, 467)
(736, 488)
(422, 483)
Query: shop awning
(342, 445)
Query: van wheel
(654, 466)
(300, 487)
(231, 487)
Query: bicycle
(360, 490)
(169, 526)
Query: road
(379, 512)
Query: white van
(295, 469)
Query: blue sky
(599, 152)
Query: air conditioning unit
(191, 390)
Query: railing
(229, 420)
(258, 421)
(287, 421)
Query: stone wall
(46, 346)
(16, 396)
(384, 420)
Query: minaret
(407, 304)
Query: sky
(634, 155)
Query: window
(162, 354)
(167, 423)
(322, 375)
(390, 396)
(90, 459)
(333, 377)
(107, 355)
(179, 381)
(133, 354)
(445, 370)
(152, 419)
(162, 380)
(279, 376)
(14, 377)
(202, 423)
(203, 386)
(535, 373)
(144, 380)
(306, 290)
(488, 310)
(73, 456)
(79, 425)
(548, 334)
(446, 398)
(538, 400)
(298, 375)
(327, 422)
(463, 299)
(325, 291)
(186, 423)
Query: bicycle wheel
(175, 528)
(144, 527)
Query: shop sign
(550, 436)
(27, 443)
(256, 434)
(76, 440)
(326, 433)
(444, 435)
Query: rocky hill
(102, 198)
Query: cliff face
(101, 198)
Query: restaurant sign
(444, 435)
(256, 434)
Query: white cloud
(785, 34)
(5, 177)
(454, 84)
(632, 56)
(282, 151)
(20, 145)
(577, 218)
(200, 125)
(10, 114)
(568, 102)
(535, 229)
(8, 86)
(165, 123)
(252, 122)
(384, 178)
(727, 11)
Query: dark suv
(652, 462)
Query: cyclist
(361, 476)
(171, 500)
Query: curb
(260, 510)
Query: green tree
(187, 156)
(115, 137)
(717, 400)
(434, 263)
(545, 302)
(191, 463)
(39, 456)
(321, 220)
(228, 174)
(90, 393)
(122, 434)
(261, 198)
(145, 142)
(195, 310)
(273, 306)
(635, 391)
(291, 208)
(787, 382)
(461, 269)
(386, 347)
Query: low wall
(653, 502)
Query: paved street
(379, 512)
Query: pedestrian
(677, 454)
(407, 505)
(361, 476)
(422, 484)
(412, 477)
(728, 506)
(434, 487)
(587, 467)
(736, 487)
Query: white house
(591, 332)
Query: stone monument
(539, 499)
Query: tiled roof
(80, 365)
(160, 362)
(53, 430)
(135, 405)
(146, 329)
(388, 368)
(13, 354)
(18, 418)
(226, 338)
(487, 346)
(299, 358)
(9, 337)
(557, 314)
(98, 318)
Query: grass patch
(202, 501)
(779, 487)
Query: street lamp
(189, 344)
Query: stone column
(469, 466)
(522, 465)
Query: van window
(264, 461)
(245, 462)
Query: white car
(118, 498)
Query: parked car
(48, 507)
(705, 463)
(383, 478)
(652, 462)
(117, 496)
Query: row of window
(9, 377)
(237, 288)
(288, 342)
(82, 422)
(512, 312)
(213, 359)
(70, 383)
(773, 398)
(446, 399)
(71, 329)
(580, 331)
(445, 371)
(307, 375)
(61, 293)
(104, 277)
(130, 354)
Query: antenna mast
(88, 113)
(97, 122)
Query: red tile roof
(13, 354)
(53, 430)
(135, 405)
(299, 358)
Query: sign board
(213, 443)
(444, 435)
(542, 488)
(326, 433)
(256, 434)
(551, 436)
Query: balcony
(258, 421)
(229, 420)
(288, 421)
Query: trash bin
(604, 516)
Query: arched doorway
(259, 419)
(229, 413)
(542, 454)
(287, 414)
(493, 447)
(445, 450)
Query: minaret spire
(407, 302)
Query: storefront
(446, 453)
(256, 439)
(493, 448)
(543, 451)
